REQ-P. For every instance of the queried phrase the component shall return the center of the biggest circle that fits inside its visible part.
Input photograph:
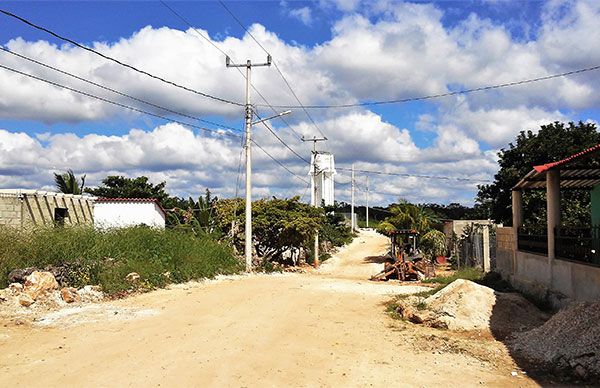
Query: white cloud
(303, 14)
(382, 50)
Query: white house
(124, 212)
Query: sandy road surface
(280, 330)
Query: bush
(88, 256)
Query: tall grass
(106, 257)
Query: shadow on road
(376, 259)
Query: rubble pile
(465, 305)
(568, 344)
(39, 290)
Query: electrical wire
(276, 67)
(448, 94)
(280, 163)
(91, 50)
(206, 38)
(280, 139)
(114, 90)
(416, 175)
(220, 133)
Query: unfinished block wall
(10, 211)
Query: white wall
(123, 214)
(324, 179)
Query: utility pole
(248, 117)
(367, 194)
(352, 201)
(313, 200)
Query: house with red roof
(557, 260)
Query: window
(60, 213)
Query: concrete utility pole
(367, 194)
(352, 201)
(249, 113)
(315, 188)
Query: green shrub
(89, 256)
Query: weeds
(91, 256)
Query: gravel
(568, 344)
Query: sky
(329, 52)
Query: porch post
(553, 207)
(517, 214)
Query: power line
(206, 38)
(220, 133)
(280, 139)
(113, 90)
(448, 94)
(149, 114)
(276, 67)
(416, 175)
(281, 164)
(29, 23)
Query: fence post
(486, 248)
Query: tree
(278, 225)
(433, 243)
(553, 142)
(197, 216)
(121, 187)
(68, 184)
(408, 216)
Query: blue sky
(332, 52)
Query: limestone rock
(39, 283)
(69, 295)
(15, 288)
(132, 277)
(25, 300)
(90, 294)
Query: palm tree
(68, 184)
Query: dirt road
(261, 330)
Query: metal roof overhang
(583, 178)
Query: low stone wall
(557, 280)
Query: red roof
(548, 166)
(137, 200)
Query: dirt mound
(465, 305)
(568, 344)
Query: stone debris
(90, 294)
(19, 275)
(568, 344)
(26, 300)
(132, 277)
(465, 305)
(69, 294)
(39, 283)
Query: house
(124, 212)
(27, 208)
(556, 260)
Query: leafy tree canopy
(553, 142)
(278, 225)
(115, 186)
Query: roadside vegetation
(88, 256)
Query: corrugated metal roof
(572, 176)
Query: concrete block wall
(10, 211)
(559, 281)
(38, 210)
(26, 210)
(505, 238)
